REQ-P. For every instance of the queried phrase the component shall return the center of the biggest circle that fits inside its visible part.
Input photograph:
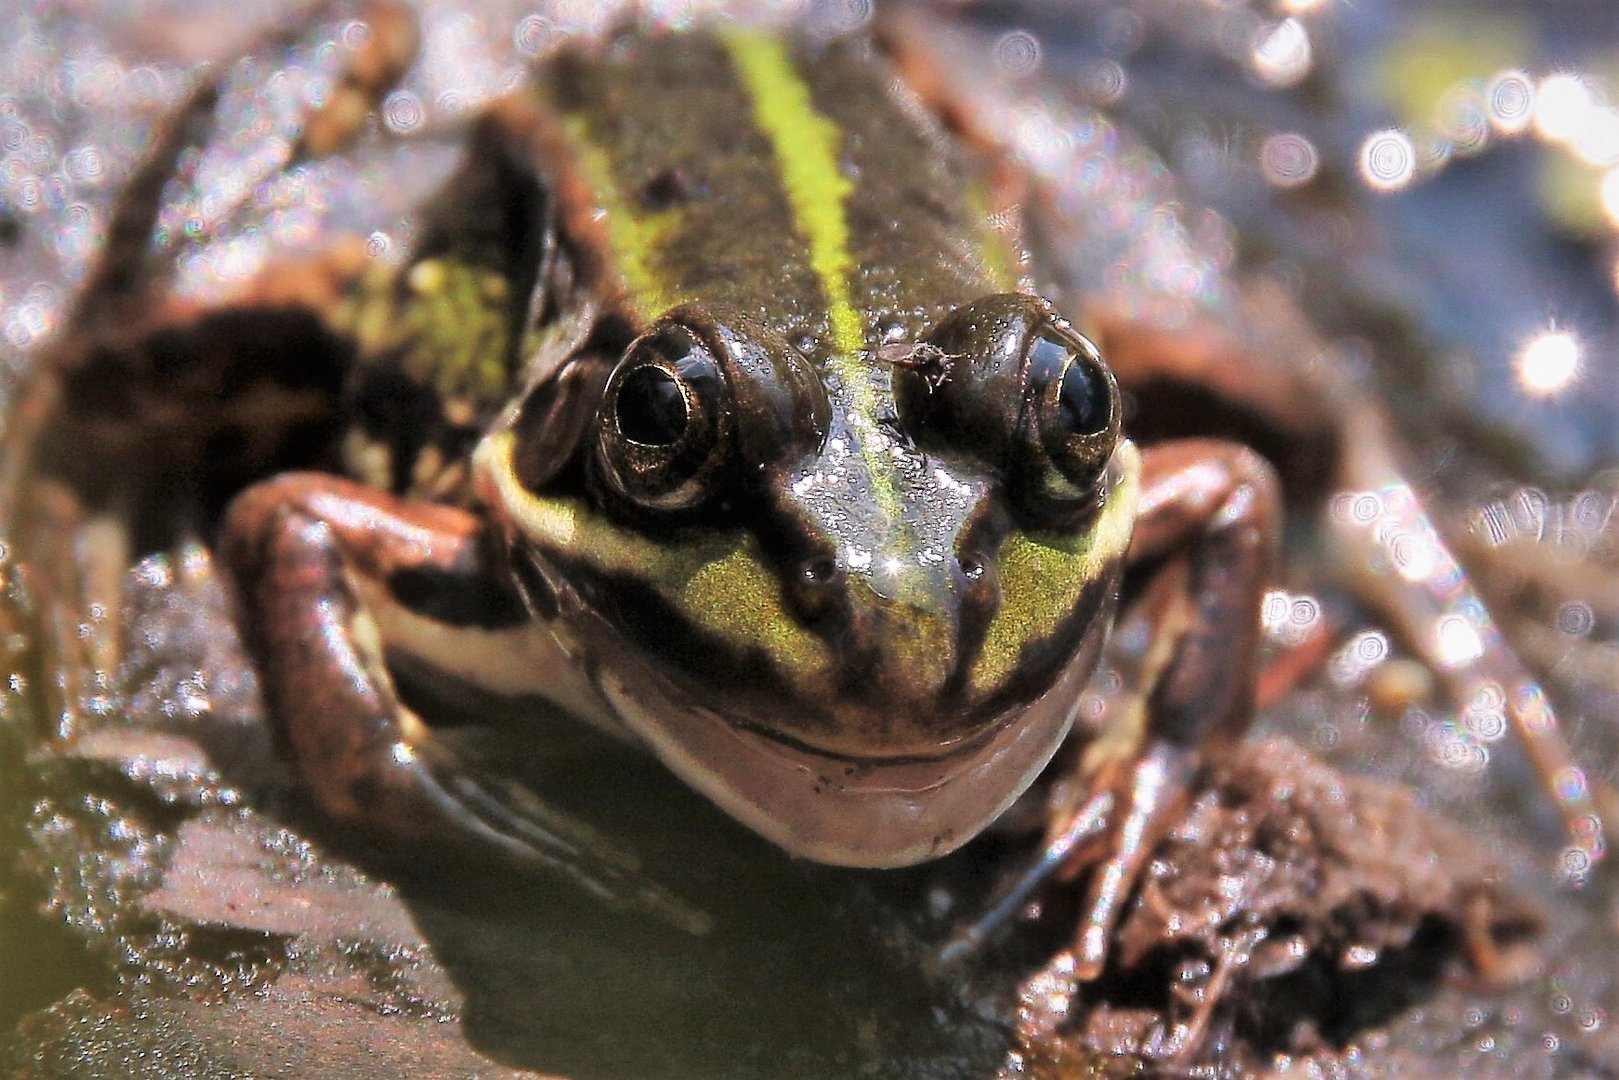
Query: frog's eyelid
(778, 403)
(992, 375)
(683, 471)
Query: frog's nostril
(982, 591)
(815, 587)
(819, 571)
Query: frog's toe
(1111, 834)
(424, 799)
(1150, 795)
(1085, 832)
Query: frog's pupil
(651, 409)
(1081, 399)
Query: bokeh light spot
(1017, 52)
(1570, 783)
(1281, 54)
(1596, 141)
(532, 34)
(1562, 103)
(1463, 118)
(1609, 194)
(1510, 99)
(1288, 160)
(1388, 160)
(1576, 618)
(1104, 81)
(1548, 362)
(403, 112)
(1458, 642)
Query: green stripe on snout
(1043, 577)
(714, 579)
(807, 147)
(910, 622)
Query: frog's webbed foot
(1207, 527)
(321, 567)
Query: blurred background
(1432, 186)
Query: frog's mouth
(850, 810)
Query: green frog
(716, 404)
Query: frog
(718, 405)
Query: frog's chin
(849, 810)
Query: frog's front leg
(331, 578)
(1209, 524)
(1207, 533)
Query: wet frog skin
(736, 426)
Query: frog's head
(853, 602)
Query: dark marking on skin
(537, 590)
(710, 668)
(977, 542)
(667, 188)
(406, 415)
(460, 597)
(980, 602)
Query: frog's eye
(1009, 376)
(1072, 404)
(663, 434)
(692, 400)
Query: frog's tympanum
(716, 404)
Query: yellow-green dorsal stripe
(806, 145)
(635, 238)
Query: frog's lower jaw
(843, 810)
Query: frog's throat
(846, 811)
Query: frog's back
(793, 182)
